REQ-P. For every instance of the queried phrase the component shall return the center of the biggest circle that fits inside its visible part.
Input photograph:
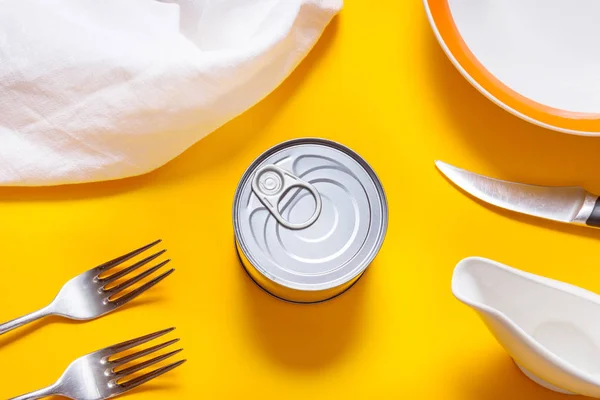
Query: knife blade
(569, 204)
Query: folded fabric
(96, 90)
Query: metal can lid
(310, 214)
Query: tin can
(309, 216)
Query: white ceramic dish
(550, 328)
(539, 63)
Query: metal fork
(101, 375)
(90, 295)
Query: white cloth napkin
(94, 90)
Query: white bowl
(542, 64)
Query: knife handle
(594, 218)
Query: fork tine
(135, 356)
(135, 293)
(117, 275)
(113, 263)
(118, 348)
(149, 376)
(122, 286)
(131, 370)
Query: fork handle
(15, 323)
(38, 394)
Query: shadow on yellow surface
(160, 387)
(214, 149)
(501, 379)
(304, 336)
(527, 219)
(510, 148)
(21, 333)
(146, 388)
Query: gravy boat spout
(550, 328)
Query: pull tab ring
(270, 183)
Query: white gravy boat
(550, 328)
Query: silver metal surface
(93, 294)
(271, 183)
(104, 374)
(570, 204)
(345, 235)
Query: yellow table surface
(378, 82)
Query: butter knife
(569, 204)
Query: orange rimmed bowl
(542, 113)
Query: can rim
(356, 157)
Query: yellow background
(379, 83)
